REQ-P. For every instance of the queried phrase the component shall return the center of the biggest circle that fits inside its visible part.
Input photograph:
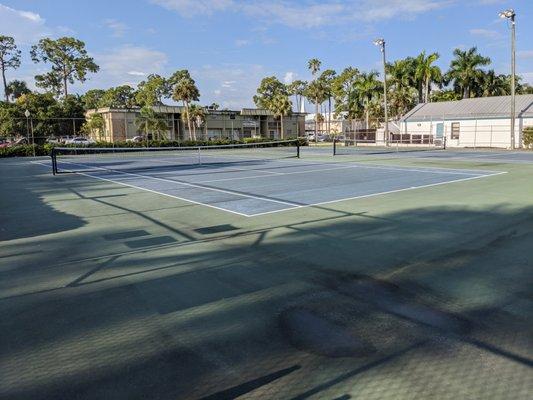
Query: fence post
(475, 134)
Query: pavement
(112, 289)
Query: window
(456, 127)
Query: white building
(338, 124)
(477, 122)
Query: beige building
(338, 125)
(121, 124)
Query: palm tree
(426, 73)
(151, 122)
(445, 95)
(495, 85)
(344, 94)
(281, 106)
(198, 116)
(327, 78)
(369, 90)
(314, 66)
(465, 70)
(95, 123)
(402, 86)
(297, 88)
(316, 94)
(17, 88)
(185, 90)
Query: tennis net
(87, 159)
(362, 147)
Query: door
(440, 131)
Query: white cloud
(525, 54)
(191, 8)
(25, 26)
(127, 65)
(307, 15)
(528, 77)
(486, 33)
(376, 10)
(230, 85)
(117, 28)
(241, 42)
(289, 77)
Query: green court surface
(110, 291)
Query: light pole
(381, 43)
(27, 115)
(510, 15)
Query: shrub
(26, 150)
(528, 137)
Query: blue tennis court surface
(258, 187)
(475, 155)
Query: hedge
(26, 150)
(528, 137)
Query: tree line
(354, 94)
(69, 62)
(358, 95)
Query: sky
(230, 45)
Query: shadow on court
(332, 303)
(24, 214)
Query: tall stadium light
(381, 43)
(510, 15)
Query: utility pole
(381, 43)
(510, 15)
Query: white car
(135, 139)
(81, 141)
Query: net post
(297, 148)
(54, 161)
(334, 146)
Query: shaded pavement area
(109, 291)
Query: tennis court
(249, 180)
(261, 273)
(431, 151)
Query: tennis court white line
(279, 173)
(292, 206)
(376, 194)
(154, 191)
(211, 165)
(335, 169)
(353, 166)
(287, 203)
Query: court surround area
(264, 275)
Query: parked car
(52, 140)
(81, 141)
(136, 139)
(64, 139)
(311, 137)
(17, 142)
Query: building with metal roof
(476, 122)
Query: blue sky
(229, 45)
